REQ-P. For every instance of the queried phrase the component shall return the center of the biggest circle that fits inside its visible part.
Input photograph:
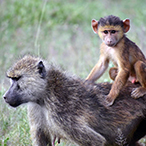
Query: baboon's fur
(66, 107)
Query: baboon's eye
(113, 31)
(16, 78)
(105, 32)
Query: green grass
(60, 32)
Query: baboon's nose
(5, 97)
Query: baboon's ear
(94, 24)
(42, 70)
(126, 23)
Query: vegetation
(60, 32)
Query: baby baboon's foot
(138, 92)
(108, 101)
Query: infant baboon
(66, 107)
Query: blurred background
(60, 32)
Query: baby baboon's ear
(42, 70)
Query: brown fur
(66, 107)
(125, 55)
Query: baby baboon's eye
(113, 31)
(105, 32)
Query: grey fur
(66, 107)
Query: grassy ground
(60, 32)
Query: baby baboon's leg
(140, 70)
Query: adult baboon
(66, 107)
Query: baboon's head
(27, 82)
